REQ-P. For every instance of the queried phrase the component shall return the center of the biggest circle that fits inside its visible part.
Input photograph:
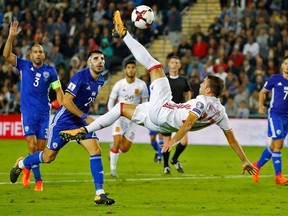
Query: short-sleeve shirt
(35, 85)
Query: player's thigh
(276, 127)
(91, 145)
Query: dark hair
(216, 84)
(131, 61)
(284, 58)
(94, 51)
(175, 57)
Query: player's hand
(167, 146)
(247, 166)
(89, 120)
(261, 110)
(14, 30)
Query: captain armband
(56, 84)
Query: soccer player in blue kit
(36, 79)
(79, 96)
(277, 121)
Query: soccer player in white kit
(161, 113)
(129, 90)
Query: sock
(36, 172)
(160, 144)
(106, 119)
(277, 162)
(166, 158)
(96, 168)
(266, 156)
(139, 52)
(33, 159)
(113, 159)
(155, 146)
(179, 149)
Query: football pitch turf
(211, 185)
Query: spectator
(174, 25)
(243, 111)
(200, 48)
(252, 47)
(231, 108)
(254, 102)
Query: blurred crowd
(244, 45)
(67, 30)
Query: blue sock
(96, 168)
(277, 162)
(33, 159)
(155, 146)
(266, 156)
(160, 143)
(36, 172)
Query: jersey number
(285, 94)
(90, 100)
(36, 82)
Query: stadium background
(68, 30)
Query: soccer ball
(142, 17)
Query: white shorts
(123, 126)
(151, 114)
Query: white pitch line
(171, 178)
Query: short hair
(284, 58)
(174, 57)
(130, 61)
(94, 51)
(216, 84)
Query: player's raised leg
(138, 50)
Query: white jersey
(162, 114)
(131, 93)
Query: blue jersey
(85, 89)
(278, 85)
(35, 85)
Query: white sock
(101, 191)
(113, 160)
(21, 164)
(106, 119)
(139, 52)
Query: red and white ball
(142, 17)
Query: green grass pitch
(211, 185)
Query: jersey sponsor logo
(71, 86)
(136, 91)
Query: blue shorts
(151, 133)
(277, 126)
(54, 141)
(35, 124)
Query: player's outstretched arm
(192, 118)
(246, 165)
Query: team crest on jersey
(199, 105)
(46, 74)
(278, 132)
(136, 91)
(26, 128)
